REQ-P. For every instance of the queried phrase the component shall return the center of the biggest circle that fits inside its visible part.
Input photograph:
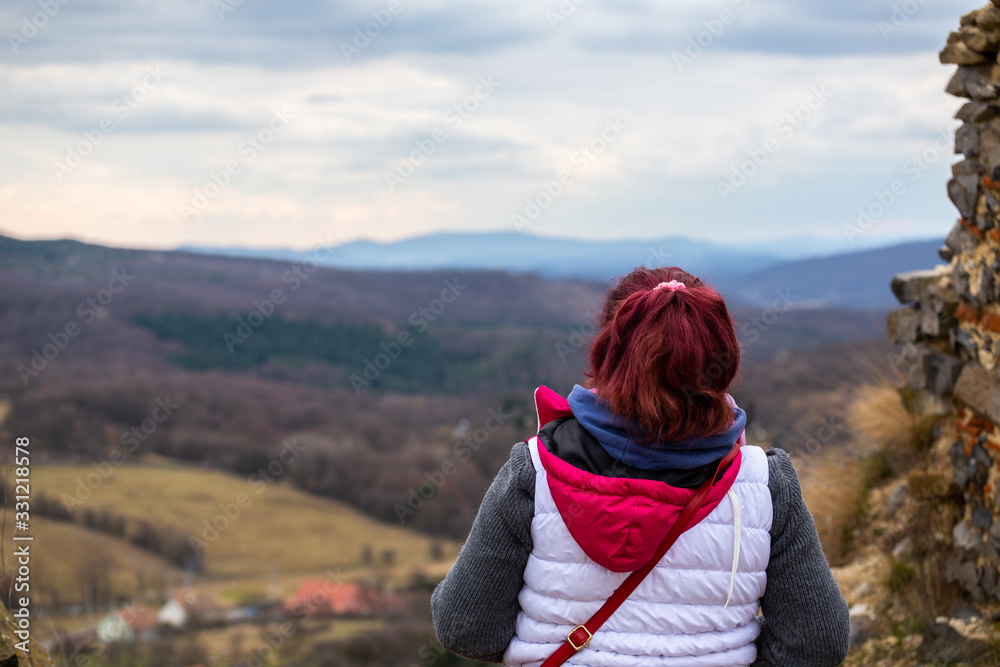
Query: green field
(64, 555)
(278, 530)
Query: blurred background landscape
(278, 280)
(150, 422)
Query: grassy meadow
(281, 531)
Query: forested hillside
(385, 376)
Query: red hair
(664, 359)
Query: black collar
(570, 441)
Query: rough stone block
(979, 471)
(977, 112)
(986, 289)
(977, 39)
(979, 390)
(960, 468)
(968, 165)
(967, 140)
(960, 54)
(929, 369)
(964, 538)
(988, 18)
(942, 644)
(971, 81)
(988, 582)
(989, 147)
(937, 313)
(903, 325)
(994, 534)
(986, 214)
(962, 191)
(910, 285)
(913, 367)
(862, 624)
(946, 370)
(960, 274)
(963, 343)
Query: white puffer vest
(679, 615)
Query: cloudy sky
(263, 123)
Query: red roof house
(317, 597)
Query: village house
(316, 597)
(127, 624)
(189, 610)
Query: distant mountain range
(509, 251)
(748, 273)
(852, 280)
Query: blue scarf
(596, 416)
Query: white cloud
(324, 176)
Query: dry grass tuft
(834, 493)
(884, 428)
(835, 486)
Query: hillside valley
(370, 408)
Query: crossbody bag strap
(582, 634)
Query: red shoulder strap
(582, 634)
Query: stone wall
(10, 655)
(949, 325)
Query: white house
(126, 624)
(173, 614)
(187, 610)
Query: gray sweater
(805, 620)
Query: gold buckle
(569, 637)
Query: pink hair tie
(673, 286)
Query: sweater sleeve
(805, 617)
(475, 608)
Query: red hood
(618, 522)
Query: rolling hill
(243, 528)
(569, 258)
(509, 251)
(833, 274)
(70, 557)
(150, 325)
(849, 280)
